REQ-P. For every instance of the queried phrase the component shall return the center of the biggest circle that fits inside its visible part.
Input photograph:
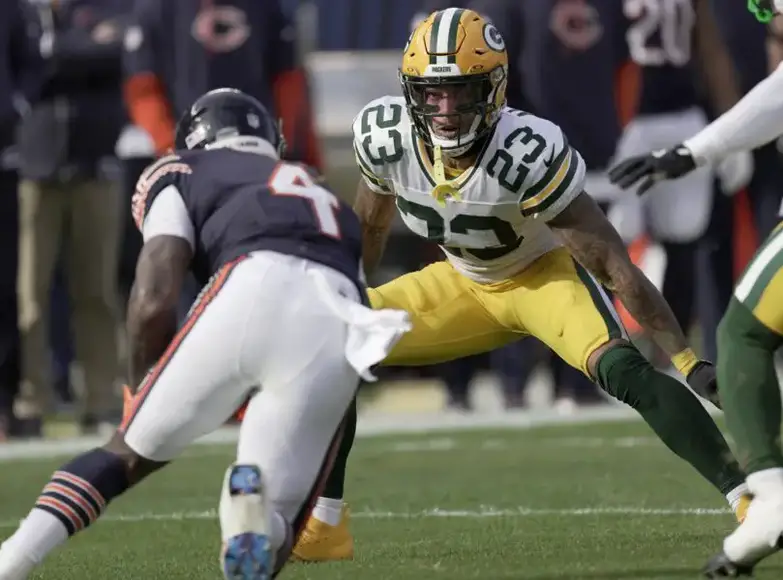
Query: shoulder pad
(531, 158)
(379, 132)
(165, 171)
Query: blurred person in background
(180, 49)
(21, 72)
(69, 200)
(681, 58)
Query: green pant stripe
(612, 325)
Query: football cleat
(720, 566)
(246, 522)
(320, 542)
(757, 537)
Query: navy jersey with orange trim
(240, 202)
(661, 36)
(572, 52)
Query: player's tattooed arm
(376, 212)
(594, 242)
(151, 319)
(717, 66)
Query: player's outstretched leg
(676, 416)
(327, 536)
(76, 495)
(245, 522)
(750, 394)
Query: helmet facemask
(472, 117)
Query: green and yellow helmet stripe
(443, 36)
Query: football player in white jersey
(527, 249)
(751, 330)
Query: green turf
(396, 483)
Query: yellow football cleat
(742, 507)
(321, 542)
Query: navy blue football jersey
(661, 36)
(240, 202)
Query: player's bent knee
(595, 357)
(622, 372)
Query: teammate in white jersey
(502, 192)
(751, 330)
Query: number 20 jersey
(495, 227)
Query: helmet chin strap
(443, 188)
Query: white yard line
(484, 513)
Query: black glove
(704, 383)
(652, 167)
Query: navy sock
(80, 490)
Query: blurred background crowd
(90, 91)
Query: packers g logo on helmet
(455, 47)
(493, 38)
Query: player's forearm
(717, 65)
(755, 120)
(373, 245)
(648, 307)
(721, 81)
(150, 326)
(375, 212)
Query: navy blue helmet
(222, 113)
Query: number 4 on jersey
(294, 180)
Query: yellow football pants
(554, 299)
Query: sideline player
(502, 192)
(280, 252)
(751, 329)
(677, 46)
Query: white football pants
(675, 211)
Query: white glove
(735, 171)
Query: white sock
(768, 482)
(329, 511)
(38, 534)
(735, 495)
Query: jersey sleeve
(167, 171)
(377, 142)
(556, 177)
(168, 216)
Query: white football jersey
(524, 176)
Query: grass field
(602, 501)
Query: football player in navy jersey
(282, 307)
(681, 56)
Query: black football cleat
(720, 566)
